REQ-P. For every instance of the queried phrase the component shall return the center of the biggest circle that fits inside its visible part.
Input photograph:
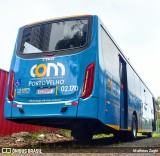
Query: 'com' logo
(45, 70)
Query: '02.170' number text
(70, 88)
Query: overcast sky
(134, 24)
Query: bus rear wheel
(133, 133)
(149, 135)
(86, 137)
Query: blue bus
(70, 73)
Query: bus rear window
(59, 35)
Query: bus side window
(110, 54)
(131, 79)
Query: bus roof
(58, 18)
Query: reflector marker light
(88, 81)
(11, 86)
(74, 103)
(14, 106)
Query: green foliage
(9, 154)
(102, 135)
(156, 135)
(157, 102)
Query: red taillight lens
(88, 81)
(11, 86)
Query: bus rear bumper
(77, 108)
(41, 110)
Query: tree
(157, 102)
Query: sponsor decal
(23, 90)
(46, 100)
(46, 91)
(49, 79)
(51, 69)
(109, 84)
(45, 82)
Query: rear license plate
(46, 91)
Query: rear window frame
(62, 52)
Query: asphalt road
(104, 145)
(57, 145)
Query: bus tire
(149, 135)
(121, 136)
(86, 137)
(134, 130)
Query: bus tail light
(88, 81)
(11, 86)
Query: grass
(139, 134)
(102, 135)
(156, 135)
(9, 154)
(67, 133)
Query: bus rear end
(52, 76)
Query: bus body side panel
(88, 108)
(148, 113)
(102, 86)
(140, 102)
(109, 107)
(134, 97)
(130, 110)
(112, 103)
(109, 95)
(134, 105)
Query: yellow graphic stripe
(129, 128)
(143, 130)
(117, 127)
(14, 92)
(113, 126)
(56, 90)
